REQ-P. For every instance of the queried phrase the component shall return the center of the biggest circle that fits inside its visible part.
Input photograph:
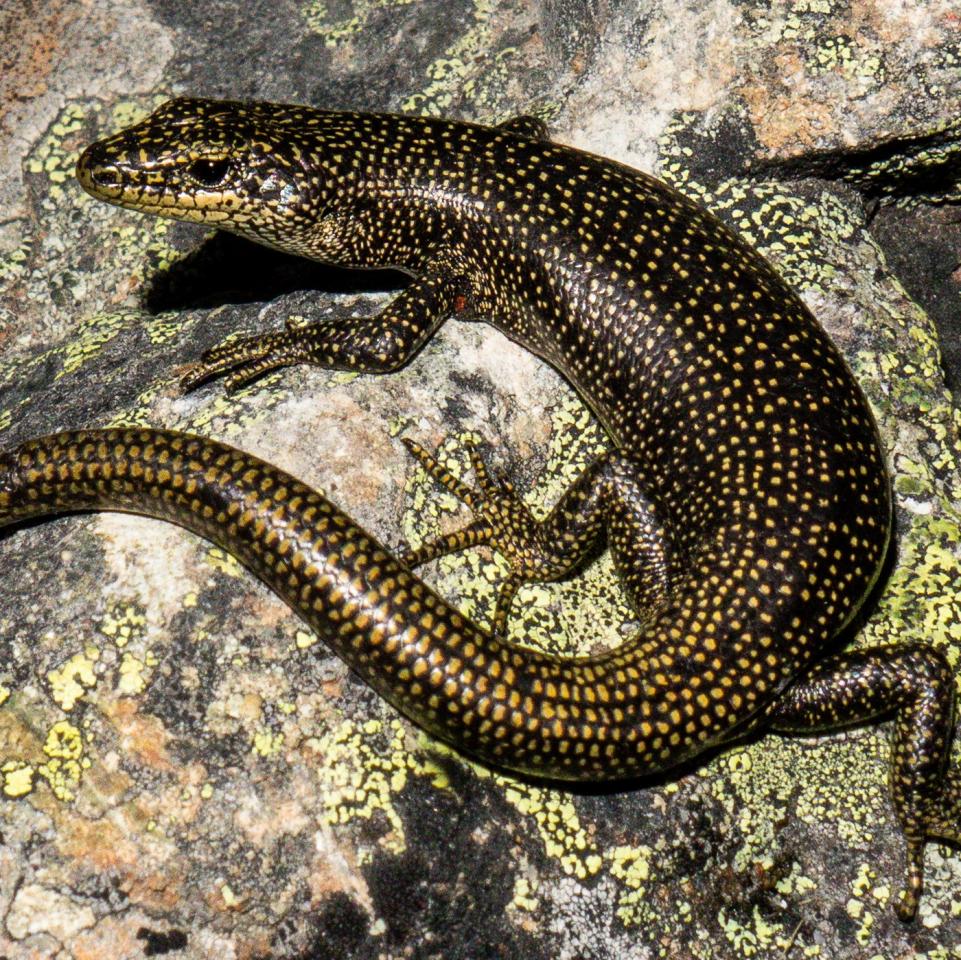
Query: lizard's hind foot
(501, 519)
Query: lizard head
(236, 166)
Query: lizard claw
(247, 358)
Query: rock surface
(184, 770)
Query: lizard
(745, 500)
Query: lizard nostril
(105, 176)
(94, 171)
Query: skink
(746, 500)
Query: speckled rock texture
(184, 771)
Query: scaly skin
(746, 501)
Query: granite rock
(184, 770)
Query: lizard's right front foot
(250, 357)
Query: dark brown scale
(746, 501)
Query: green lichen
(921, 603)
(49, 157)
(756, 938)
(142, 411)
(566, 840)
(128, 111)
(788, 229)
(13, 264)
(124, 623)
(305, 639)
(632, 867)
(845, 55)
(337, 32)
(912, 169)
(163, 328)
(472, 67)
(70, 683)
(365, 766)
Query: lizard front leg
(375, 344)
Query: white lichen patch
(37, 909)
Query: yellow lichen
(17, 777)
(266, 742)
(553, 812)
(223, 562)
(123, 623)
(366, 765)
(64, 768)
(90, 337)
(304, 639)
(337, 32)
(131, 680)
(523, 898)
(49, 156)
(69, 683)
(632, 867)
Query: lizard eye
(209, 173)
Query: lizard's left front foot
(500, 519)
(374, 344)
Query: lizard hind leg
(914, 684)
(606, 498)
(937, 819)
(501, 519)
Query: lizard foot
(250, 357)
(940, 820)
(501, 519)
